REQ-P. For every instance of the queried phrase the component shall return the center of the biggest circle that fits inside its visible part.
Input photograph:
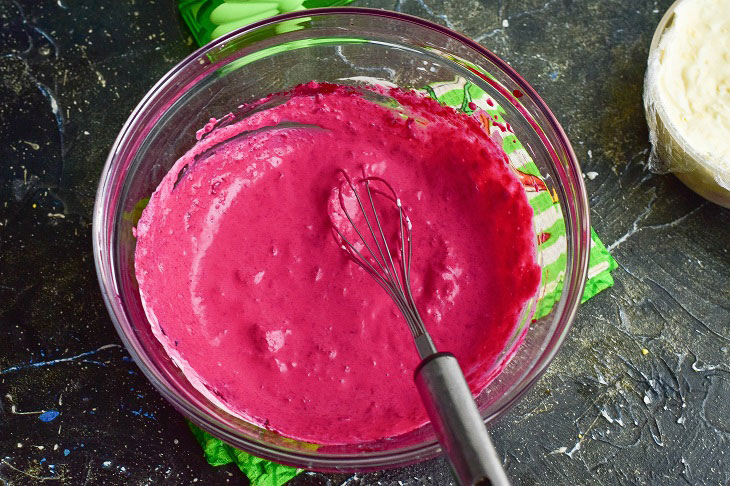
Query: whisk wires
(393, 274)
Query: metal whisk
(439, 379)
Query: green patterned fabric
(549, 226)
(260, 472)
(210, 19)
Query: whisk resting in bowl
(439, 378)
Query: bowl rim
(354, 462)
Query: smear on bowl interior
(248, 292)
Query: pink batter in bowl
(352, 47)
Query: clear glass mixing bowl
(328, 45)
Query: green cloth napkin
(549, 225)
(210, 19)
(260, 472)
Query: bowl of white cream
(687, 96)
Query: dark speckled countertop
(639, 394)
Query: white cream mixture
(693, 78)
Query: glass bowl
(345, 45)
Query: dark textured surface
(639, 394)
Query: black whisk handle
(457, 422)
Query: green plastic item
(210, 19)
